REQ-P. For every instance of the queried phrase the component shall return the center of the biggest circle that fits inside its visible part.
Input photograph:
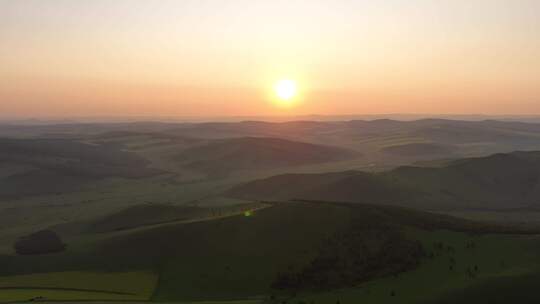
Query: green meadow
(236, 258)
(78, 286)
(496, 258)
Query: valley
(270, 212)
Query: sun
(286, 90)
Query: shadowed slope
(242, 256)
(58, 166)
(252, 153)
(495, 182)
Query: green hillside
(135, 207)
(500, 181)
(297, 249)
(55, 166)
(146, 215)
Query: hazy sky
(212, 57)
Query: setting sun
(383, 129)
(286, 90)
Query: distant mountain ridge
(461, 137)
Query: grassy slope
(25, 295)
(147, 214)
(79, 285)
(96, 200)
(55, 166)
(494, 182)
(498, 257)
(520, 289)
(23, 216)
(239, 257)
(221, 157)
(234, 257)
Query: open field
(175, 233)
(25, 295)
(78, 286)
(239, 257)
(246, 301)
(497, 258)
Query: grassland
(78, 286)
(520, 289)
(232, 258)
(495, 182)
(95, 201)
(497, 257)
(98, 199)
(239, 257)
(26, 295)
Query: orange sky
(219, 58)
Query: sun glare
(286, 90)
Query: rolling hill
(281, 250)
(221, 157)
(441, 131)
(382, 141)
(500, 181)
(465, 138)
(147, 215)
(420, 151)
(58, 165)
